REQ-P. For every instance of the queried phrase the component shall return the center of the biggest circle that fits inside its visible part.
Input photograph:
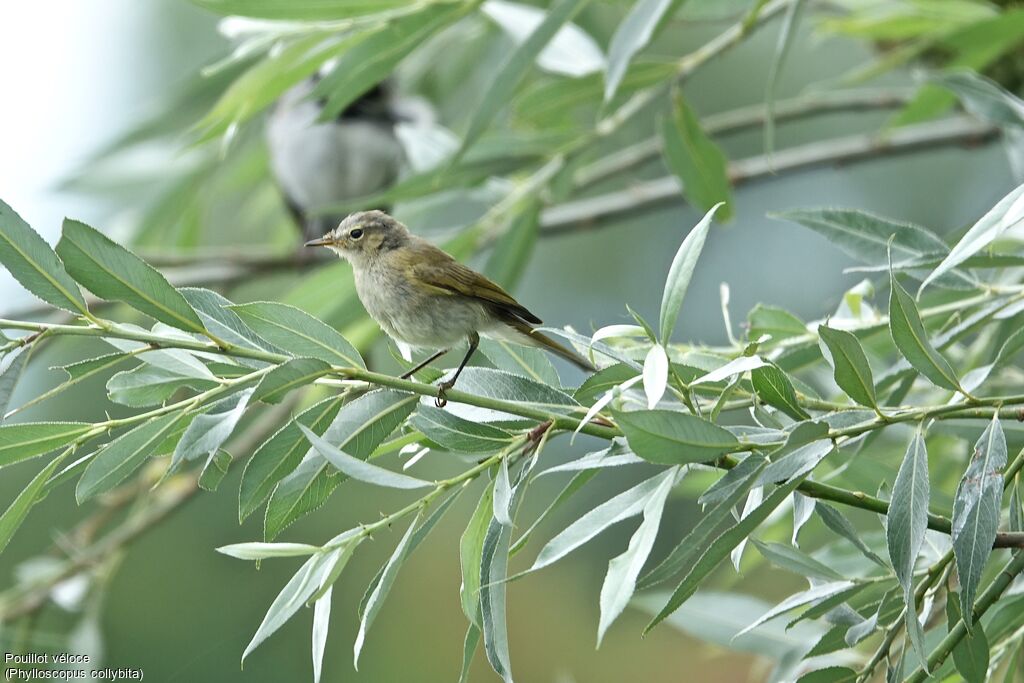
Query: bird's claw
(440, 401)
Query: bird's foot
(441, 401)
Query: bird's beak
(320, 242)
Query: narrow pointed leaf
(655, 375)
(905, 528)
(850, 365)
(502, 494)
(837, 522)
(34, 264)
(208, 431)
(28, 439)
(721, 548)
(789, 558)
(380, 591)
(280, 454)
(1006, 214)
(360, 469)
(911, 338)
(620, 581)
(125, 454)
(470, 551)
(19, 508)
(627, 504)
(263, 551)
(819, 592)
(521, 360)
(774, 388)
(111, 272)
(696, 160)
(681, 272)
(457, 434)
(670, 438)
(971, 653)
(321, 626)
(976, 512)
(289, 376)
(298, 332)
(635, 31)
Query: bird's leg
(441, 401)
(422, 364)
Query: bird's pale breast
(414, 316)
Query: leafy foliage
(787, 414)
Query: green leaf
(971, 653)
(303, 585)
(816, 593)
(111, 272)
(680, 274)
(214, 471)
(380, 591)
(498, 384)
(514, 69)
(469, 647)
(471, 546)
(670, 438)
(513, 249)
(10, 376)
(774, 388)
(776, 322)
(358, 429)
(280, 454)
(696, 160)
(298, 333)
(911, 338)
(1007, 213)
(602, 381)
(837, 522)
(264, 551)
(321, 626)
(789, 558)
(34, 264)
(850, 365)
(976, 512)
(623, 570)
(635, 31)
(866, 237)
(456, 434)
(374, 56)
(28, 439)
(208, 431)
(984, 98)
(148, 385)
(359, 469)
(294, 374)
(18, 510)
(905, 529)
(681, 558)
(721, 548)
(493, 576)
(521, 360)
(225, 324)
(125, 454)
(627, 504)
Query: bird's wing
(448, 276)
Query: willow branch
(586, 213)
(995, 589)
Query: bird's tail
(537, 338)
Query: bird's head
(363, 236)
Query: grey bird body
(318, 163)
(422, 297)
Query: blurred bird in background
(357, 154)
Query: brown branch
(583, 214)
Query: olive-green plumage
(423, 297)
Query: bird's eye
(356, 234)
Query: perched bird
(357, 154)
(421, 296)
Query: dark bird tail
(536, 338)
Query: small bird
(357, 154)
(423, 297)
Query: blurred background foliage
(147, 119)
